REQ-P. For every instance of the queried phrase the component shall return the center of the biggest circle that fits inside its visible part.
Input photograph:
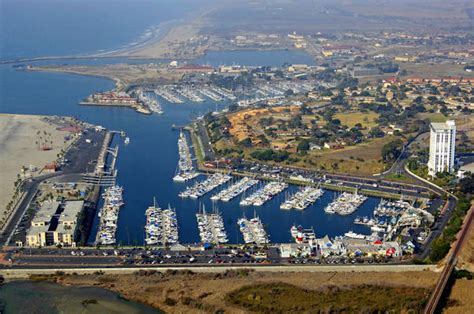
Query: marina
(303, 198)
(211, 227)
(265, 194)
(235, 189)
(345, 204)
(253, 231)
(143, 155)
(161, 226)
(185, 169)
(109, 215)
(179, 94)
(201, 188)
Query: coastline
(160, 32)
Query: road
(205, 141)
(398, 165)
(433, 302)
(27, 272)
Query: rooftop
(448, 125)
(47, 210)
(71, 210)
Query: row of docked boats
(151, 102)
(224, 93)
(204, 187)
(176, 94)
(211, 227)
(168, 94)
(391, 208)
(161, 226)
(210, 94)
(108, 215)
(185, 170)
(265, 194)
(303, 198)
(253, 231)
(234, 190)
(345, 204)
(189, 93)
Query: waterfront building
(362, 72)
(442, 147)
(54, 224)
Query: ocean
(32, 28)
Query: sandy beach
(18, 148)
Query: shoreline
(160, 32)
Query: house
(280, 146)
(465, 169)
(50, 168)
(333, 145)
(313, 146)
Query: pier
(104, 175)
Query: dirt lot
(185, 292)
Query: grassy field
(434, 70)
(433, 117)
(187, 292)
(285, 298)
(350, 119)
(363, 159)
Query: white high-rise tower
(442, 145)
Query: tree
(376, 132)
(246, 142)
(303, 145)
(466, 184)
(269, 154)
(392, 150)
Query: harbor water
(147, 164)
